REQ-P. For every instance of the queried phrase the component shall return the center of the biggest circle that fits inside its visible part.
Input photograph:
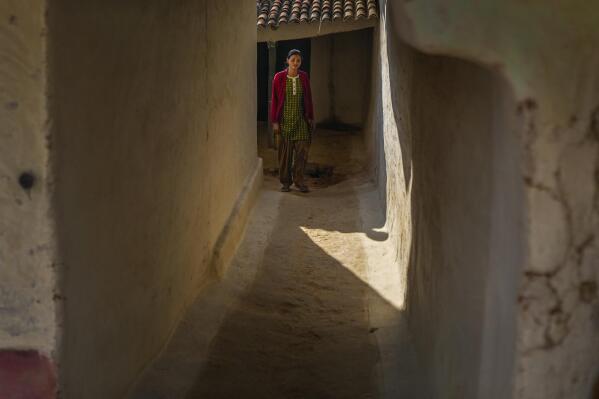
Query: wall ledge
(232, 233)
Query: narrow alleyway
(311, 306)
(147, 251)
(302, 329)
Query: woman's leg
(302, 148)
(285, 161)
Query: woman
(292, 117)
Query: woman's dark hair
(293, 52)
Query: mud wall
(557, 339)
(465, 221)
(340, 77)
(443, 142)
(147, 100)
(28, 310)
(558, 320)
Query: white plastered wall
(28, 305)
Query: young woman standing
(292, 116)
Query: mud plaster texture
(437, 123)
(558, 345)
(154, 143)
(556, 333)
(28, 311)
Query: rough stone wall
(153, 110)
(28, 311)
(340, 77)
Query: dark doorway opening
(262, 82)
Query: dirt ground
(310, 307)
(334, 156)
(302, 329)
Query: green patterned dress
(294, 126)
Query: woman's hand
(277, 135)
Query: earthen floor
(309, 308)
(302, 328)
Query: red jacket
(279, 84)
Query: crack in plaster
(555, 316)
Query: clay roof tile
(272, 13)
(372, 9)
(348, 9)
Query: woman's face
(294, 62)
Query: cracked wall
(558, 345)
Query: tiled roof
(272, 13)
